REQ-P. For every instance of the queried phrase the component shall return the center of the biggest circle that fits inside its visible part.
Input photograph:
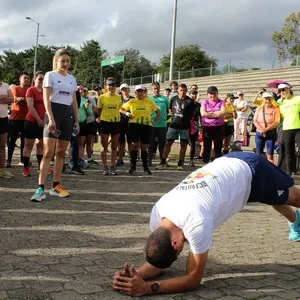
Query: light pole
(36, 43)
(173, 41)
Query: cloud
(235, 30)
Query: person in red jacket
(17, 117)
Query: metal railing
(230, 68)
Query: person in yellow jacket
(139, 111)
(290, 111)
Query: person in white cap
(290, 110)
(266, 120)
(240, 123)
(139, 111)
(125, 95)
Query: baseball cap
(139, 87)
(110, 82)
(267, 95)
(193, 92)
(284, 86)
(85, 89)
(124, 86)
(240, 93)
(230, 95)
(212, 89)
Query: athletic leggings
(290, 137)
(193, 139)
(16, 130)
(212, 134)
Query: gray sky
(236, 30)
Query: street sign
(112, 61)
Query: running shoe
(77, 171)
(120, 163)
(192, 164)
(162, 166)
(92, 162)
(180, 168)
(26, 172)
(132, 169)
(39, 195)
(294, 234)
(59, 191)
(8, 164)
(105, 170)
(147, 171)
(6, 174)
(113, 170)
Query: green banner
(112, 61)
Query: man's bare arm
(136, 286)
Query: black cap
(230, 95)
(193, 92)
(212, 89)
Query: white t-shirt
(239, 104)
(205, 199)
(63, 87)
(4, 88)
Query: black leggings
(290, 137)
(16, 130)
(193, 139)
(212, 134)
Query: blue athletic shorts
(270, 185)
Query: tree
(186, 58)
(287, 41)
(135, 63)
(87, 67)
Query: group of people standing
(56, 110)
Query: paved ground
(69, 249)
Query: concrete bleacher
(249, 81)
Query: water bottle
(75, 130)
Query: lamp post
(36, 43)
(173, 41)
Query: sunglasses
(213, 93)
(268, 98)
(282, 90)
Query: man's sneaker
(59, 191)
(113, 170)
(132, 170)
(120, 163)
(77, 171)
(105, 170)
(180, 168)
(6, 174)
(92, 162)
(192, 164)
(50, 171)
(147, 171)
(51, 163)
(8, 164)
(26, 172)
(294, 234)
(70, 164)
(162, 166)
(39, 195)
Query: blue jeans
(261, 141)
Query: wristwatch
(154, 287)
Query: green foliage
(87, 63)
(186, 58)
(287, 41)
(135, 64)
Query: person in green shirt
(290, 110)
(159, 130)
